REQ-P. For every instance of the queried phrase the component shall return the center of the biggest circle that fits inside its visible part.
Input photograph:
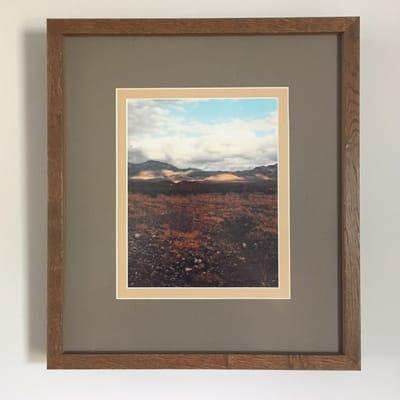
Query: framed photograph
(203, 193)
(199, 213)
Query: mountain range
(156, 171)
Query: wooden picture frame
(347, 30)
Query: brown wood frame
(347, 29)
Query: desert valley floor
(212, 233)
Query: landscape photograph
(202, 192)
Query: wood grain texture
(291, 361)
(139, 361)
(55, 125)
(347, 28)
(201, 361)
(211, 26)
(350, 193)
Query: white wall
(23, 212)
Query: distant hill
(154, 177)
(152, 170)
(150, 165)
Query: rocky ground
(203, 240)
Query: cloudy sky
(211, 134)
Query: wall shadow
(34, 64)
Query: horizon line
(211, 170)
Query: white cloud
(157, 133)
